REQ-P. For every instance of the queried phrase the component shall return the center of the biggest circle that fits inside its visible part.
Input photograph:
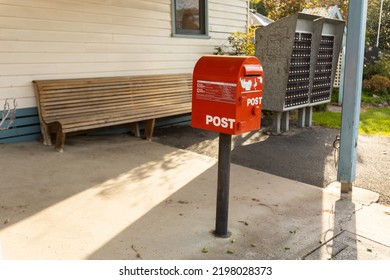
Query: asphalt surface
(303, 154)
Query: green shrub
(377, 84)
(335, 95)
(320, 108)
(240, 43)
(368, 97)
(381, 67)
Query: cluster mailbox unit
(299, 54)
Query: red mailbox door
(227, 94)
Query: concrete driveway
(118, 197)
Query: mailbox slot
(253, 70)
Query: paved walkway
(118, 197)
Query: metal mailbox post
(226, 98)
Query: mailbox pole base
(227, 235)
(224, 157)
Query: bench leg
(135, 129)
(149, 128)
(45, 135)
(60, 140)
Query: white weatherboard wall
(50, 39)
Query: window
(190, 17)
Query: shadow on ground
(302, 154)
(305, 155)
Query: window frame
(203, 20)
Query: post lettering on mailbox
(220, 122)
(254, 101)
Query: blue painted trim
(21, 131)
(23, 121)
(357, 17)
(19, 139)
(26, 127)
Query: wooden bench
(74, 105)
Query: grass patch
(327, 119)
(373, 121)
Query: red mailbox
(227, 93)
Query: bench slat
(112, 95)
(94, 106)
(119, 118)
(112, 88)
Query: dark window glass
(190, 17)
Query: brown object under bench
(73, 105)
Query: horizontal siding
(82, 69)
(10, 58)
(51, 39)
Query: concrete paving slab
(349, 246)
(372, 222)
(118, 197)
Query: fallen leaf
(205, 250)
(244, 222)
(230, 251)
(183, 202)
